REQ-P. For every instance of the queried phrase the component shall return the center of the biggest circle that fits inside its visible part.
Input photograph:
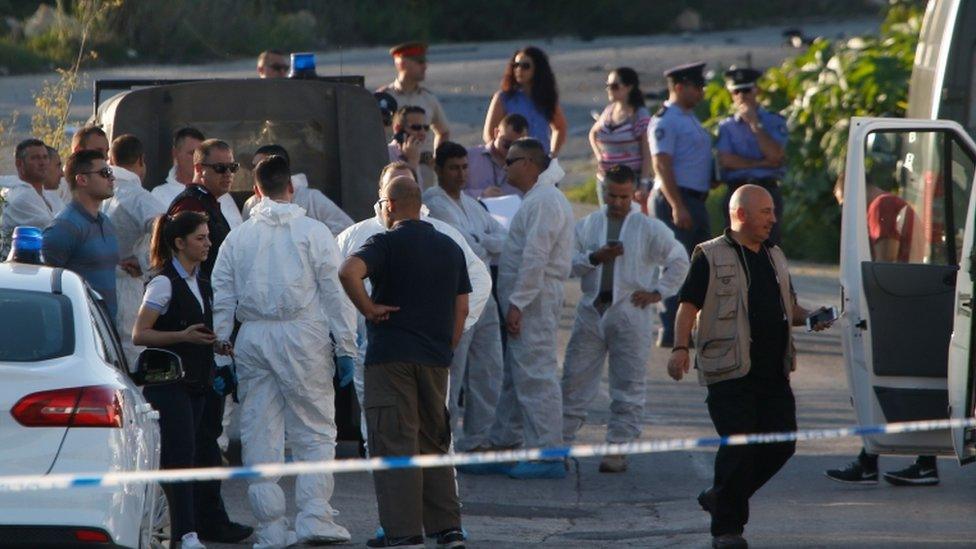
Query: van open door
(906, 195)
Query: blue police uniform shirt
(678, 133)
(735, 137)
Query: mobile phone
(400, 136)
(823, 314)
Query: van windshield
(35, 326)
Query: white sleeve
(478, 275)
(322, 209)
(326, 262)
(146, 208)
(665, 251)
(225, 290)
(442, 210)
(581, 257)
(158, 294)
(494, 239)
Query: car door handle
(153, 414)
(965, 304)
(144, 408)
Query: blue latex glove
(347, 368)
(225, 380)
(219, 385)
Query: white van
(907, 290)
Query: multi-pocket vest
(723, 334)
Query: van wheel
(155, 532)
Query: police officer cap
(409, 49)
(741, 79)
(691, 73)
(387, 104)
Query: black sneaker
(413, 542)
(855, 473)
(914, 475)
(452, 538)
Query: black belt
(700, 195)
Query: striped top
(621, 143)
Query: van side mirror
(158, 367)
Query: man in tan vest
(739, 293)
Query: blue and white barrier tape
(80, 480)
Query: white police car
(68, 405)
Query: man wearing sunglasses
(273, 64)
(214, 168)
(683, 168)
(410, 60)
(81, 238)
(752, 144)
(486, 163)
(410, 129)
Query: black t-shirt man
(767, 319)
(421, 271)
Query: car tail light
(92, 406)
(92, 536)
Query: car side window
(106, 336)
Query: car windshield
(34, 326)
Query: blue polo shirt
(678, 133)
(735, 137)
(87, 245)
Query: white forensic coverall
(623, 330)
(169, 190)
(23, 205)
(477, 364)
(278, 273)
(534, 264)
(316, 205)
(354, 237)
(133, 210)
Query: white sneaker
(191, 541)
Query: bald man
(414, 319)
(738, 290)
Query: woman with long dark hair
(529, 88)
(177, 315)
(619, 135)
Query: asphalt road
(653, 504)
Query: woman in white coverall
(615, 313)
(278, 272)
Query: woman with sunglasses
(529, 88)
(619, 135)
(177, 315)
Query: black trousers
(210, 512)
(180, 412)
(740, 406)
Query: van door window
(913, 215)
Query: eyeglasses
(379, 203)
(418, 127)
(742, 91)
(524, 65)
(279, 67)
(222, 168)
(510, 161)
(105, 172)
(613, 86)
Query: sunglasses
(279, 67)
(742, 91)
(613, 86)
(510, 161)
(418, 127)
(524, 65)
(221, 168)
(105, 172)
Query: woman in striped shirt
(619, 135)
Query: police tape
(275, 470)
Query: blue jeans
(699, 232)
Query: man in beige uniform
(410, 59)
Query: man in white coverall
(133, 211)
(185, 141)
(278, 274)
(477, 363)
(534, 264)
(25, 199)
(617, 251)
(354, 237)
(316, 205)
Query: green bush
(15, 59)
(584, 193)
(818, 92)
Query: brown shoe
(613, 464)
